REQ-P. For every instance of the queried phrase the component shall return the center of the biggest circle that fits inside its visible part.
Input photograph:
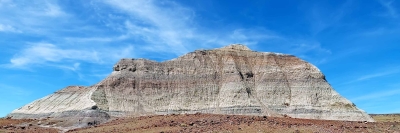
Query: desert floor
(213, 123)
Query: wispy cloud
(44, 53)
(16, 91)
(302, 48)
(36, 17)
(322, 18)
(377, 95)
(375, 75)
(391, 10)
(131, 29)
(251, 36)
(379, 31)
(7, 28)
(52, 10)
(71, 67)
(389, 27)
(85, 40)
(166, 26)
(311, 51)
(384, 72)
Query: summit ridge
(236, 47)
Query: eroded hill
(228, 80)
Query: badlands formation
(228, 80)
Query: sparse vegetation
(286, 104)
(340, 104)
(349, 105)
(234, 123)
(94, 107)
(386, 117)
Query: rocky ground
(24, 125)
(214, 123)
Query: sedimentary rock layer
(228, 80)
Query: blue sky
(48, 45)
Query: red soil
(235, 123)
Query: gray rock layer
(229, 80)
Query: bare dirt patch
(210, 123)
(235, 123)
(23, 125)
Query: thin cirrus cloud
(14, 91)
(391, 11)
(45, 52)
(7, 28)
(172, 27)
(51, 55)
(375, 75)
(384, 72)
(35, 17)
(377, 95)
(147, 27)
(168, 26)
(380, 73)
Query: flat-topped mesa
(228, 80)
(129, 64)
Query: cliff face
(229, 80)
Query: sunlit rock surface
(228, 80)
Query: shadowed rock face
(229, 80)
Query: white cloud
(158, 25)
(323, 18)
(251, 36)
(302, 48)
(311, 51)
(7, 28)
(45, 52)
(53, 10)
(382, 73)
(16, 91)
(378, 32)
(95, 39)
(72, 67)
(377, 95)
(161, 27)
(40, 8)
(52, 55)
(375, 75)
(34, 17)
(391, 11)
(171, 28)
(5, 2)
